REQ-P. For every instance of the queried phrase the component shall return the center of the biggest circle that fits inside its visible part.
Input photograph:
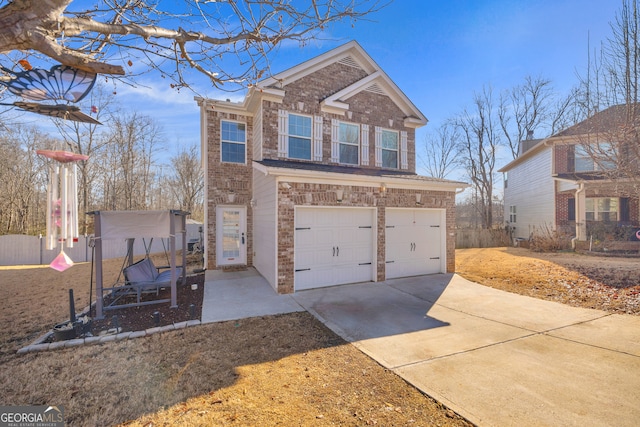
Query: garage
(333, 246)
(414, 242)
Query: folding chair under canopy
(127, 226)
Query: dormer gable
(352, 55)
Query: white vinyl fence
(31, 250)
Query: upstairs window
(299, 137)
(234, 142)
(601, 158)
(389, 149)
(349, 138)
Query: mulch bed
(129, 319)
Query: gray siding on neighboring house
(265, 230)
(530, 187)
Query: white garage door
(333, 246)
(414, 242)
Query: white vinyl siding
(265, 227)
(532, 189)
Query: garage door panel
(341, 241)
(413, 242)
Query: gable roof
(606, 120)
(352, 55)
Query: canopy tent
(129, 225)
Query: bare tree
(612, 83)
(440, 151)
(212, 37)
(479, 143)
(531, 110)
(187, 183)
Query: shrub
(546, 239)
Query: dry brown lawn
(278, 370)
(605, 283)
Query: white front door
(414, 242)
(333, 246)
(231, 235)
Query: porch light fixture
(383, 187)
(339, 195)
(390, 123)
(418, 199)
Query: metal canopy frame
(176, 224)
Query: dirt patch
(605, 283)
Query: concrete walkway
(496, 358)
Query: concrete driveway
(496, 358)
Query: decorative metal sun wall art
(60, 83)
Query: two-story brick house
(556, 184)
(311, 179)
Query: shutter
(364, 144)
(317, 138)
(335, 144)
(378, 146)
(283, 130)
(624, 209)
(404, 161)
(571, 209)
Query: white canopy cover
(131, 224)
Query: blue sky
(439, 52)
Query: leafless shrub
(546, 239)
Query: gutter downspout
(578, 214)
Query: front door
(231, 235)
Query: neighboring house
(554, 184)
(311, 179)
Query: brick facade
(305, 194)
(225, 179)
(305, 95)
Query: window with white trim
(512, 214)
(601, 157)
(349, 140)
(233, 142)
(299, 132)
(601, 209)
(389, 149)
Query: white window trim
(315, 139)
(379, 149)
(597, 213)
(338, 142)
(512, 214)
(234, 142)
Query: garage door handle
(303, 269)
(435, 257)
(337, 250)
(365, 263)
(334, 251)
(389, 262)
